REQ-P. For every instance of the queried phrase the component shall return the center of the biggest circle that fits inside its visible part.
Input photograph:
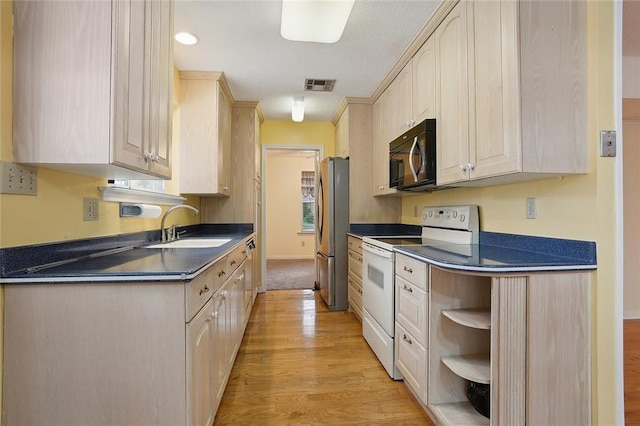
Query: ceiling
(242, 39)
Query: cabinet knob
(226, 188)
(214, 314)
(381, 187)
(409, 289)
(463, 168)
(470, 166)
(204, 289)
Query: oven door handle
(413, 169)
(376, 251)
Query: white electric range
(449, 224)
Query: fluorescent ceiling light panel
(320, 21)
(297, 109)
(187, 38)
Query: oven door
(377, 285)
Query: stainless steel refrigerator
(332, 225)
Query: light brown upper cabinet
(205, 134)
(95, 98)
(342, 135)
(511, 92)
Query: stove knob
(455, 214)
(462, 218)
(430, 213)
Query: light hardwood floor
(632, 372)
(301, 364)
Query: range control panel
(452, 217)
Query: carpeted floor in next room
(290, 274)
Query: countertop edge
(497, 269)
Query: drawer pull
(214, 314)
(409, 289)
(221, 273)
(409, 270)
(233, 262)
(406, 339)
(204, 290)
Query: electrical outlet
(302, 243)
(91, 209)
(531, 208)
(18, 179)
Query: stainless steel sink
(192, 243)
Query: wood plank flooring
(631, 330)
(301, 364)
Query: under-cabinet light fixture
(297, 109)
(188, 39)
(320, 21)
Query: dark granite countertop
(541, 254)
(131, 261)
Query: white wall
(284, 208)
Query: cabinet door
(161, 97)
(199, 134)
(200, 347)
(224, 143)
(380, 155)
(342, 135)
(221, 348)
(452, 99)
(404, 89)
(493, 89)
(132, 70)
(424, 82)
(389, 116)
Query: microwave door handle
(413, 170)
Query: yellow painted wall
(579, 207)
(305, 133)
(56, 213)
(283, 207)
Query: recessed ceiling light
(188, 39)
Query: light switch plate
(18, 179)
(607, 143)
(91, 209)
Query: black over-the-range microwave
(412, 158)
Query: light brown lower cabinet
(526, 335)
(122, 353)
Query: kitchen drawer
(355, 263)
(355, 295)
(412, 309)
(412, 270)
(355, 244)
(236, 257)
(412, 362)
(199, 290)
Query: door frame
(319, 149)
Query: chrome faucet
(166, 238)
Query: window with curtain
(308, 188)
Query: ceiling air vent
(317, 85)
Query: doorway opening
(288, 204)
